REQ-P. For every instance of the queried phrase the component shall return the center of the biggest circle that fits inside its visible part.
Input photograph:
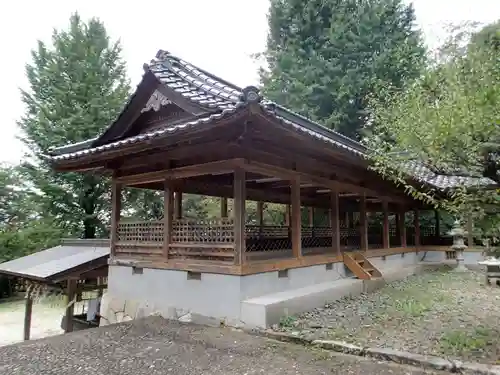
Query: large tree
(326, 58)
(449, 120)
(77, 86)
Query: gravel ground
(155, 346)
(442, 313)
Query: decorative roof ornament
(250, 94)
(156, 101)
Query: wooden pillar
(385, 227)
(363, 224)
(402, 227)
(223, 207)
(416, 225)
(260, 213)
(287, 215)
(334, 219)
(296, 219)
(116, 203)
(437, 228)
(28, 310)
(470, 231)
(310, 212)
(70, 306)
(168, 213)
(239, 216)
(178, 205)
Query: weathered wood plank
(296, 219)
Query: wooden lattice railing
(214, 238)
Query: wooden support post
(116, 203)
(287, 215)
(363, 224)
(311, 216)
(296, 219)
(402, 227)
(168, 213)
(416, 224)
(260, 213)
(350, 219)
(437, 228)
(28, 310)
(470, 231)
(385, 227)
(70, 305)
(178, 205)
(223, 207)
(239, 216)
(334, 219)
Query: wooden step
(361, 266)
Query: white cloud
(217, 35)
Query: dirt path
(45, 321)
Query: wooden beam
(385, 226)
(275, 171)
(239, 216)
(416, 225)
(296, 219)
(220, 166)
(178, 205)
(168, 213)
(402, 227)
(335, 222)
(71, 289)
(223, 207)
(28, 312)
(363, 227)
(311, 216)
(116, 202)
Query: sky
(217, 35)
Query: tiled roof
(219, 99)
(422, 173)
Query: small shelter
(74, 267)
(185, 130)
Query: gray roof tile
(215, 94)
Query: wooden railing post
(335, 222)
(239, 216)
(385, 226)
(168, 213)
(116, 202)
(260, 216)
(296, 226)
(363, 227)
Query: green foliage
(23, 229)
(460, 342)
(325, 57)
(448, 119)
(77, 87)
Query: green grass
(461, 342)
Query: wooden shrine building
(185, 130)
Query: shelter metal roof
(50, 264)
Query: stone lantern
(459, 246)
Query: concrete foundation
(253, 301)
